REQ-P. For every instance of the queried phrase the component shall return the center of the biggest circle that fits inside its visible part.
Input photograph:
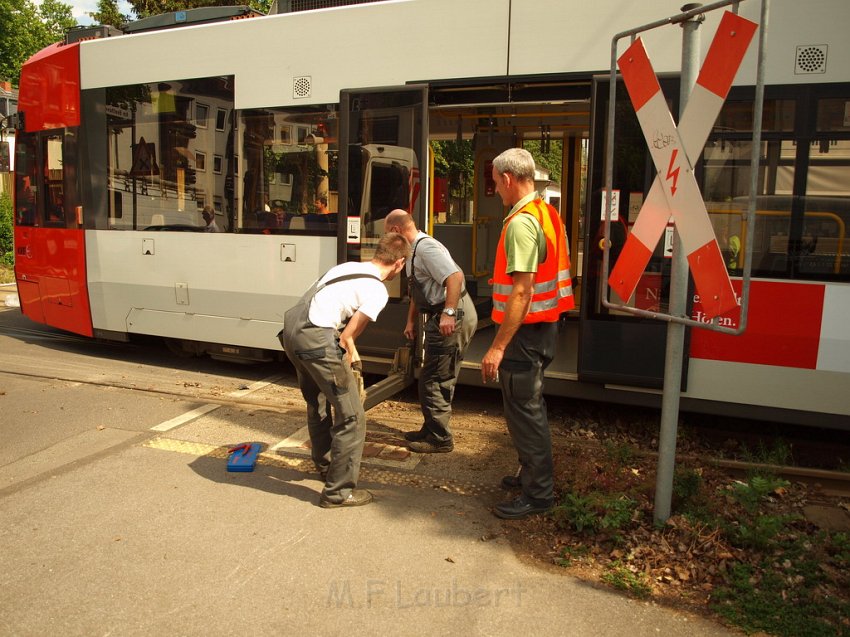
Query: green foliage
(456, 163)
(756, 528)
(758, 598)
(619, 453)
(108, 13)
(687, 485)
(594, 512)
(147, 8)
(758, 532)
(26, 29)
(840, 550)
(751, 493)
(619, 576)
(7, 248)
(690, 496)
(778, 453)
(551, 160)
(571, 554)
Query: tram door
(614, 346)
(50, 265)
(383, 166)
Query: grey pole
(678, 303)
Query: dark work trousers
(335, 417)
(441, 367)
(521, 375)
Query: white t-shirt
(335, 304)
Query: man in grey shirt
(437, 290)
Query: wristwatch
(449, 311)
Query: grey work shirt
(433, 264)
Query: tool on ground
(243, 457)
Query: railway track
(829, 482)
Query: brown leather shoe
(357, 497)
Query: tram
(298, 131)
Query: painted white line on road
(184, 418)
(189, 416)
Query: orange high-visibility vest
(553, 286)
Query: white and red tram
(123, 141)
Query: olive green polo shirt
(525, 241)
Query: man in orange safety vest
(532, 287)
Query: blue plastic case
(243, 457)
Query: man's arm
(410, 328)
(517, 307)
(355, 328)
(454, 285)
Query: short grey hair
(516, 161)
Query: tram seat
(297, 223)
(157, 219)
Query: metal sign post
(675, 192)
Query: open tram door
(383, 165)
(616, 348)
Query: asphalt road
(118, 517)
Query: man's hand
(448, 324)
(490, 364)
(410, 330)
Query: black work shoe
(416, 436)
(521, 507)
(357, 497)
(431, 446)
(511, 482)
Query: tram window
(737, 116)
(834, 115)
(454, 181)
(157, 135)
(726, 171)
(289, 183)
(824, 248)
(26, 180)
(389, 189)
(54, 181)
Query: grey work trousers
(521, 376)
(441, 368)
(335, 417)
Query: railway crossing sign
(144, 160)
(673, 149)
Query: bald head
(400, 221)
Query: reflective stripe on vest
(552, 294)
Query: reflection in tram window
(800, 226)
(285, 176)
(159, 137)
